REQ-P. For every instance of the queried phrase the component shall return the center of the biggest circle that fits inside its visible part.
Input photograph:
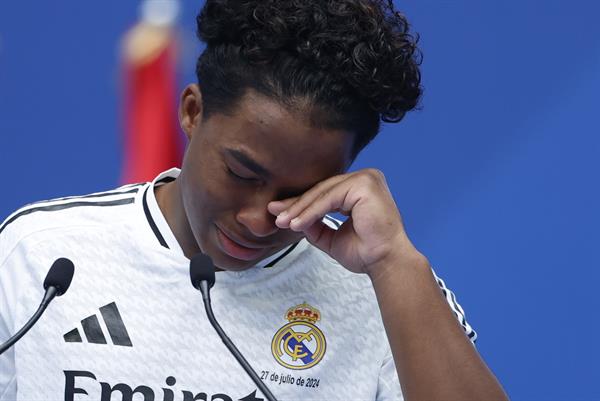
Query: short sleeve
(12, 255)
(388, 385)
(8, 382)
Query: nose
(257, 219)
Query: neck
(168, 197)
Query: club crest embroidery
(299, 344)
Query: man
(288, 94)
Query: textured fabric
(132, 327)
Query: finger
(320, 235)
(286, 216)
(336, 199)
(276, 207)
(342, 197)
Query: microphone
(202, 274)
(56, 283)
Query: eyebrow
(248, 162)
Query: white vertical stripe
(456, 308)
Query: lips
(236, 250)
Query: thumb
(321, 236)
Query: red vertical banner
(151, 139)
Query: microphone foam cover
(60, 275)
(202, 269)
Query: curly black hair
(353, 62)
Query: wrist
(405, 259)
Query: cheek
(204, 193)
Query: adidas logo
(93, 331)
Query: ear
(190, 109)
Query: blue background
(496, 176)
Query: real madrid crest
(299, 344)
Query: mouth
(238, 249)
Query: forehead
(282, 138)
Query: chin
(231, 265)
(222, 260)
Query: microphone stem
(49, 295)
(230, 345)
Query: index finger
(291, 208)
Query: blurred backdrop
(496, 176)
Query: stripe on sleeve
(130, 189)
(457, 309)
(63, 206)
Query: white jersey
(132, 327)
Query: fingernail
(282, 215)
(295, 221)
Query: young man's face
(235, 164)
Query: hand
(372, 235)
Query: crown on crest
(303, 312)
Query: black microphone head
(202, 269)
(60, 275)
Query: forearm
(434, 358)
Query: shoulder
(44, 218)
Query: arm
(433, 357)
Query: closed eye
(238, 176)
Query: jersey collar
(156, 219)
